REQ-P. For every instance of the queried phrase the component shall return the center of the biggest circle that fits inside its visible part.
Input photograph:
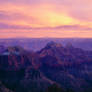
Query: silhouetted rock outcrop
(15, 58)
(34, 81)
(27, 71)
(3, 88)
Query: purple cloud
(65, 27)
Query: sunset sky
(45, 18)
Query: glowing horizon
(45, 18)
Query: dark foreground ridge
(55, 68)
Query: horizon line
(48, 38)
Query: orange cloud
(46, 16)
